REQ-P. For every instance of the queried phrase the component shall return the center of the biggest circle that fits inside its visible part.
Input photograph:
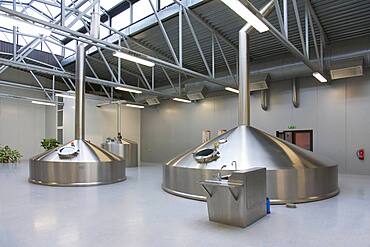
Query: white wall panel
(358, 124)
(22, 126)
(339, 114)
(331, 123)
(50, 122)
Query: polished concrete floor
(138, 213)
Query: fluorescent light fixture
(133, 59)
(23, 26)
(128, 90)
(42, 103)
(182, 100)
(246, 14)
(65, 95)
(230, 89)
(319, 77)
(103, 104)
(135, 106)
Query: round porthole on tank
(222, 141)
(206, 155)
(67, 152)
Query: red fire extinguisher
(360, 154)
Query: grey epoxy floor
(138, 213)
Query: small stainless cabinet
(238, 199)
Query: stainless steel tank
(293, 174)
(90, 166)
(79, 162)
(126, 149)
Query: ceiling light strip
(42, 103)
(246, 14)
(181, 100)
(134, 59)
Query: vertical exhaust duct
(80, 93)
(95, 21)
(244, 69)
(295, 98)
(119, 119)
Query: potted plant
(49, 143)
(8, 155)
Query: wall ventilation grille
(346, 72)
(153, 101)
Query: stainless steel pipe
(80, 94)
(244, 78)
(119, 119)
(95, 21)
(244, 68)
(295, 99)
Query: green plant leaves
(49, 143)
(8, 155)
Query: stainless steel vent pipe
(295, 99)
(80, 93)
(95, 21)
(244, 70)
(119, 118)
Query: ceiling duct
(196, 91)
(346, 68)
(79, 162)
(152, 101)
(260, 83)
(293, 174)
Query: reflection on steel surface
(92, 166)
(238, 200)
(78, 163)
(293, 174)
(126, 149)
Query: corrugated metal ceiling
(341, 19)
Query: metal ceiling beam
(40, 84)
(207, 25)
(300, 31)
(27, 87)
(316, 19)
(283, 40)
(96, 76)
(113, 47)
(124, 5)
(279, 16)
(115, 69)
(43, 70)
(192, 31)
(11, 96)
(157, 52)
(81, 14)
(164, 33)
